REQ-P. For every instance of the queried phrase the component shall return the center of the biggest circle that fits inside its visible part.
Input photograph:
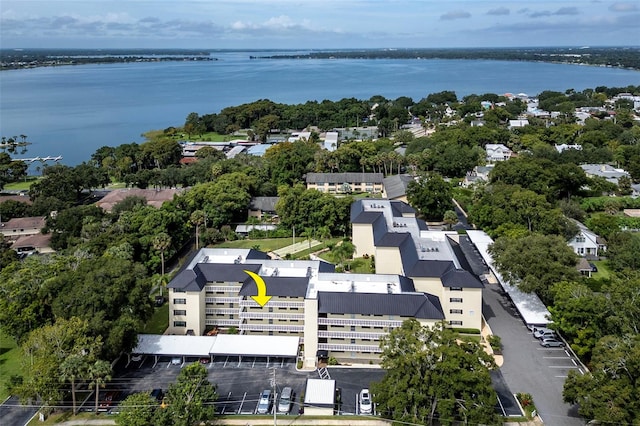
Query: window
(455, 322)
(455, 288)
(179, 323)
(179, 301)
(455, 311)
(455, 299)
(179, 312)
(178, 290)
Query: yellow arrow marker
(262, 298)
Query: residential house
(515, 124)
(497, 152)
(587, 243)
(563, 147)
(22, 226)
(345, 183)
(36, 243)
(477, 175)
(154, 197)
(262, 207)
(330, 141)
(606, 171)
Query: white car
(540, 333)
(366, 406)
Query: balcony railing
(223, 311)
(349, 348)
(221, 299)
(360, 322)
(272, 327)
(224, 288)
(271, 315)
(250, 303)
(223, 322)
(350, 335)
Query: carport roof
(234, 344)
(222, 344)
(155, 344)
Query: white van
(285, 400)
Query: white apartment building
(342, 315)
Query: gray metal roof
(396, 186)
(202, 273)
(393, 239)
(400, 207)
(344, 177)
(431, 268)
(460, 278)
(417, 305)
(265, 204)
(367, 217)
(278, 286)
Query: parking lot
(239, 381)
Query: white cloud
(623, 7)
(456, 14)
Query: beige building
(22, 226)
(345, 183)
(342, 315)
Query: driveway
(528, 367)
(12, 413)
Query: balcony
(350, 348)
(350, 335)
(272, 327)
(271, 315)
(360, 322)
(223, 322)
(223, 288)
(221, 311)
(250, 303)
(221, 299)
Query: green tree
(197, 219)
(190, 400)
(450, 218)
(449, 379)
(161, 243)
(431, 196)
(609, 391)
(137, 409)
(73, 367)
(535, 262)
(99, 373)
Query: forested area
(109, 263)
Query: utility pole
(275, 397)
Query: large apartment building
(342, 315)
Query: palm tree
(161, 243)
(99, 373)
(72, 368)
(197, 219)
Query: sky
(316, 24)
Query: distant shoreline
(67, 61)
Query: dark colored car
(157, 394)
(109, 398)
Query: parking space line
(555, 357)
(254, 363)
(563, 366)
(562, 377)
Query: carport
(178, 346)
(255, 346)
(220, 345)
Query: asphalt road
(14, 414)
(528, 367)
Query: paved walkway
(297, 247)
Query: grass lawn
(159, 321)
(603, 269)
(22, 185)
(266, 245)
(9, 362)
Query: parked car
(366, 406)
(264, 403)
(286, 397)
(594, 268)
(136, 358)
(109, 398)
(550, 342)
(205, 360)
(176, 360)
(542, 332)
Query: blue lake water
(73, 110)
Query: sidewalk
(297, 247)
